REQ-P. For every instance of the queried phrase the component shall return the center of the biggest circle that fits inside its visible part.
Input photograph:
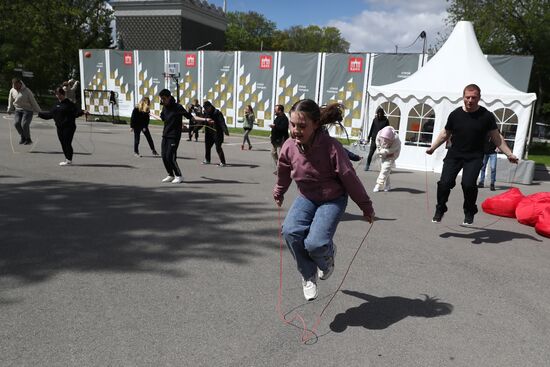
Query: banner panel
(515, 69)
(256, 85)
(218, 78)
(94, 77)
(391, 68)
(121, 80)
(150, 81)
(189, 75)
(297, 77)
(344, 80)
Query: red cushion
(529, 209)
(543, 223)
(503, 204)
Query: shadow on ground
(51, 226)
(485, 235)
(382, 312)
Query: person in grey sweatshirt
(21, 101)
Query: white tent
(420, 104)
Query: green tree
(249, 31)
(44, 36)
(518, 27)
(315, 39)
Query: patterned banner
(218, 82)
(390, 68)
(256, 85)
(150, 80)
(94, 77)
(343, 80)
(297, 77)
(121, 80)
(189, 75)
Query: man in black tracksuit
(279, 132)
(214, 132)
(172, 114)
(467, 127)
(378, 123)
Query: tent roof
(458, 63)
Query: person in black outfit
(196, 109)
(64, 114)
(172, 115)
(139, 122)
(214, 132)
(469, 126)
(378, 123)
(279, 132)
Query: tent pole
(529, 138)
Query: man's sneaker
(177, 179)
(137, 155)
(387, 187)
(66, 162)
(480, 185)
(468, 219)
(168, 179)
(437, 216)
(324, 275)
(222, 164)
(154, 152)
(22, 141)
(376, 188)
(310, 288)
(205, 162)
(27, 142)
(367, 167)
(492, 187)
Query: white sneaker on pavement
(310, 288)
(177, 179)
(376, 188)
(168, 179)
(66, 162)
(324, 275)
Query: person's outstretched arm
(443, 136)
(498, 140)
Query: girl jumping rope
(325, 177)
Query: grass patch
(540, 153)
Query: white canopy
(458, 63)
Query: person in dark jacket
(64, 114)
(279, 132)
(196, 110)
(490, 155)
(214, 132)
(139, 122)
(378, 123)
(172, 115)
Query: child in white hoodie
(388, 147)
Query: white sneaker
(66, 162)
(310, 288)
(387, 188)
(177, 179)
(137, 155)
(324, 275)
(376, 188)
(168, 179)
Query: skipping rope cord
(34, 144)
(307, 335)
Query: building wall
(150, 32)
(195, 34)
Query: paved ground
(102, 265)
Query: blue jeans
(22, 122)
(308, 230)
(492, 158)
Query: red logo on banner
(128, 58)
(190, 60)
(355, 64)
(266, 62)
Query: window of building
(420, 125)
(507, 122)
(393, 113)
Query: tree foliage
(44, 36)
(518, 27)
(252, 32)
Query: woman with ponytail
(325, 177)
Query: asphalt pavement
(103, 265)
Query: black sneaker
(492, 187)
(438, 216)
(27, 142)
(468, 219)
(480, 185)
(22, 141)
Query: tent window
(420, 126)
(507, 122)
(393, 113)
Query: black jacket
(172, 115)
(377, 125)
(64, 114)
(279, 133)
(139, 119)
(219, 128)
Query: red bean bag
(529, 209)
(504, 204)
(543, 224)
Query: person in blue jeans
(490, 151)
(325, 177)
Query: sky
(368, 25)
